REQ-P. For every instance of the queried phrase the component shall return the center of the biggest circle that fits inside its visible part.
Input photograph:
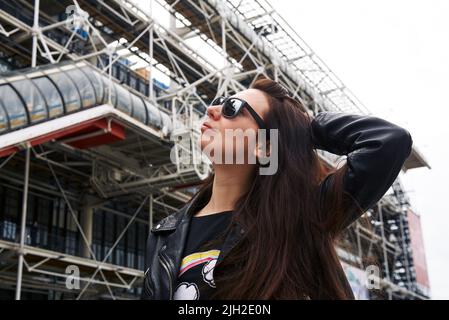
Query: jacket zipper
(166, 267)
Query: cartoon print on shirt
(196, 259)
(207, 272)
(186, 291)
(189, 290)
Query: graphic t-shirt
(195, 279)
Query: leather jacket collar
(166, 245)
(180, 222)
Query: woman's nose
(214, 112)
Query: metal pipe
(384, 247)
(35, 33)
(151, 53)
(23, 225)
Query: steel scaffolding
(153, 165)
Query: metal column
(23, 224)
(35, 33)
(87, 223)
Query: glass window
(68, 91)
(120, 257)
(120, 249)
(142, 234)
(106, 91)
(8, 230)
(95, 79)
(106, 251)
(43, 211)
(85, 88)
(139, 110)
(51, 96)
(11, 206)
(32, 201)
(3, 118)
(98, 225)
(130, 260)
(109, 229)
(56, 205)
(13, 106)
(131, 237)
(62, 215)
(166, 122)
(71, 225)
(70, 244)
(140, 262)
(96, 248)
(154, 116)
(144, 88)
(34, 101)
(123, 100)
(121, 73)
(133, 81)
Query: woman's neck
(230, 182)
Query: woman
(247, 235)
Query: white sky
(394, 56)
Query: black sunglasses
(232, 106)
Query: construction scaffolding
(100, 105)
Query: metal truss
(380, 239)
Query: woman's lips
(205, 126)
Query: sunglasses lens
(217, 101)
(232, 107)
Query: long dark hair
(288, 249)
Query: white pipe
(23, 224)
(35, 33)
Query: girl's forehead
(257, 99)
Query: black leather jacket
(376, 150)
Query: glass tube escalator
(37, 95)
